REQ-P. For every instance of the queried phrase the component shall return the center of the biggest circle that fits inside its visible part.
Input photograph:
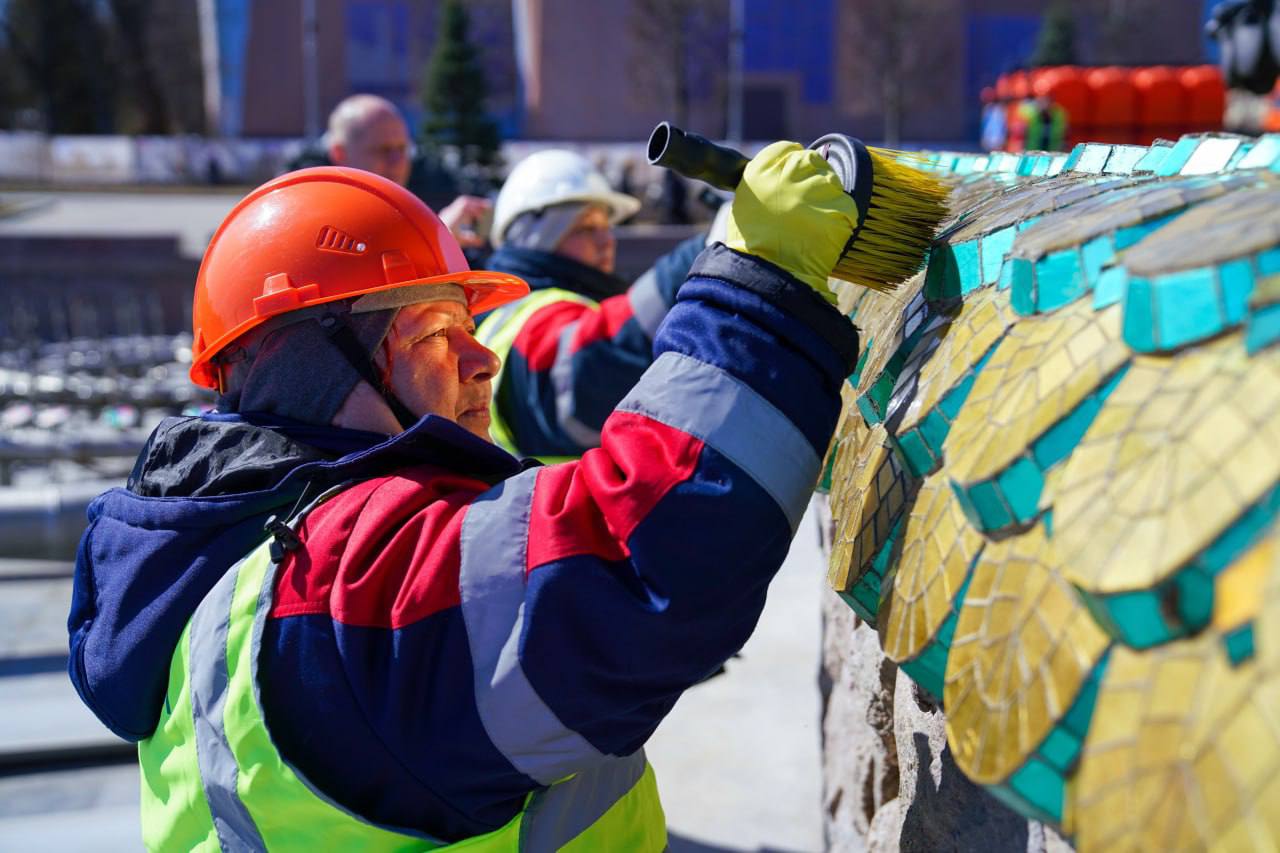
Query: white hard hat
(555, 176)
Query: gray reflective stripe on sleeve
(647, 304)
(208, 671)
(729, 416)
(564, 811)
(562, 384)
(495, 533)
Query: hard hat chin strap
(361, 361)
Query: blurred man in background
(367, 132)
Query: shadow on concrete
(957, 815)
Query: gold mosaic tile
(1045, 367)
(1239, 224)
(1184, 750)
(938, 547)
(979, 323)
(1238, 590)
(868, 492)
(1180, 449)
(1023, 647)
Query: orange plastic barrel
(1206, 97)
(1019, 85)
(1162, 104)
(1115, 108)
(1004, 87)
(1065, 86)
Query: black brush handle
(696, 157)
(701, 159)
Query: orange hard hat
(319, 235)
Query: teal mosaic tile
(1059, 280)
(1239, 644)
(1013, 497)
(1177, 157)
(1151, 161)
(994, 247)
(1126, 237)
(970, 270)
(1022, 278)
(1269, 262)
(1109, 287)
(1042, 164)
(942, 277)
(1263, 328)
(1026, 163)
(1124, 158)
(855, 378)
(1093, 159)
(1057, 165)
(1021, 485)
(917, 457)
(1040, 789)
(1073, 157)
(1264, 152)
(1238, 157)
(1187, 308)
(1235, 280)
(1006, 277)
(1060, 749)
(1096, 254)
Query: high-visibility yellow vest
(498, 332)
(212, 778)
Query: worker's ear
(338, 154)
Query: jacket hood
(198, 499)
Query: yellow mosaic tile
(1035, 377)
(1184, 749)
(938, 546)
(1238, 591)
(1004, 693)
(868, 491)
(1144, 492)
(981, 320)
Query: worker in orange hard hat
(334, 615)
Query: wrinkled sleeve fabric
(571, 363)
(481, 642)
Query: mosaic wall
(1055, 487)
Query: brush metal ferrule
(852, 164)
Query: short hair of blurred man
(367, 132)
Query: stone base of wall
(889, 782)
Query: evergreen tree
(1056, 44)
(455, 90)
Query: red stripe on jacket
(384, 553)
(591, 507)
(539, 338)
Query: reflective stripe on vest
(212, 778)
(498, 332)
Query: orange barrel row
(1123, 105)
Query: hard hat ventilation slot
(332, 239)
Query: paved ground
(737, 760)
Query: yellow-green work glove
(791, 210)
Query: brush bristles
(907, 206)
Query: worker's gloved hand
(791, 210)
